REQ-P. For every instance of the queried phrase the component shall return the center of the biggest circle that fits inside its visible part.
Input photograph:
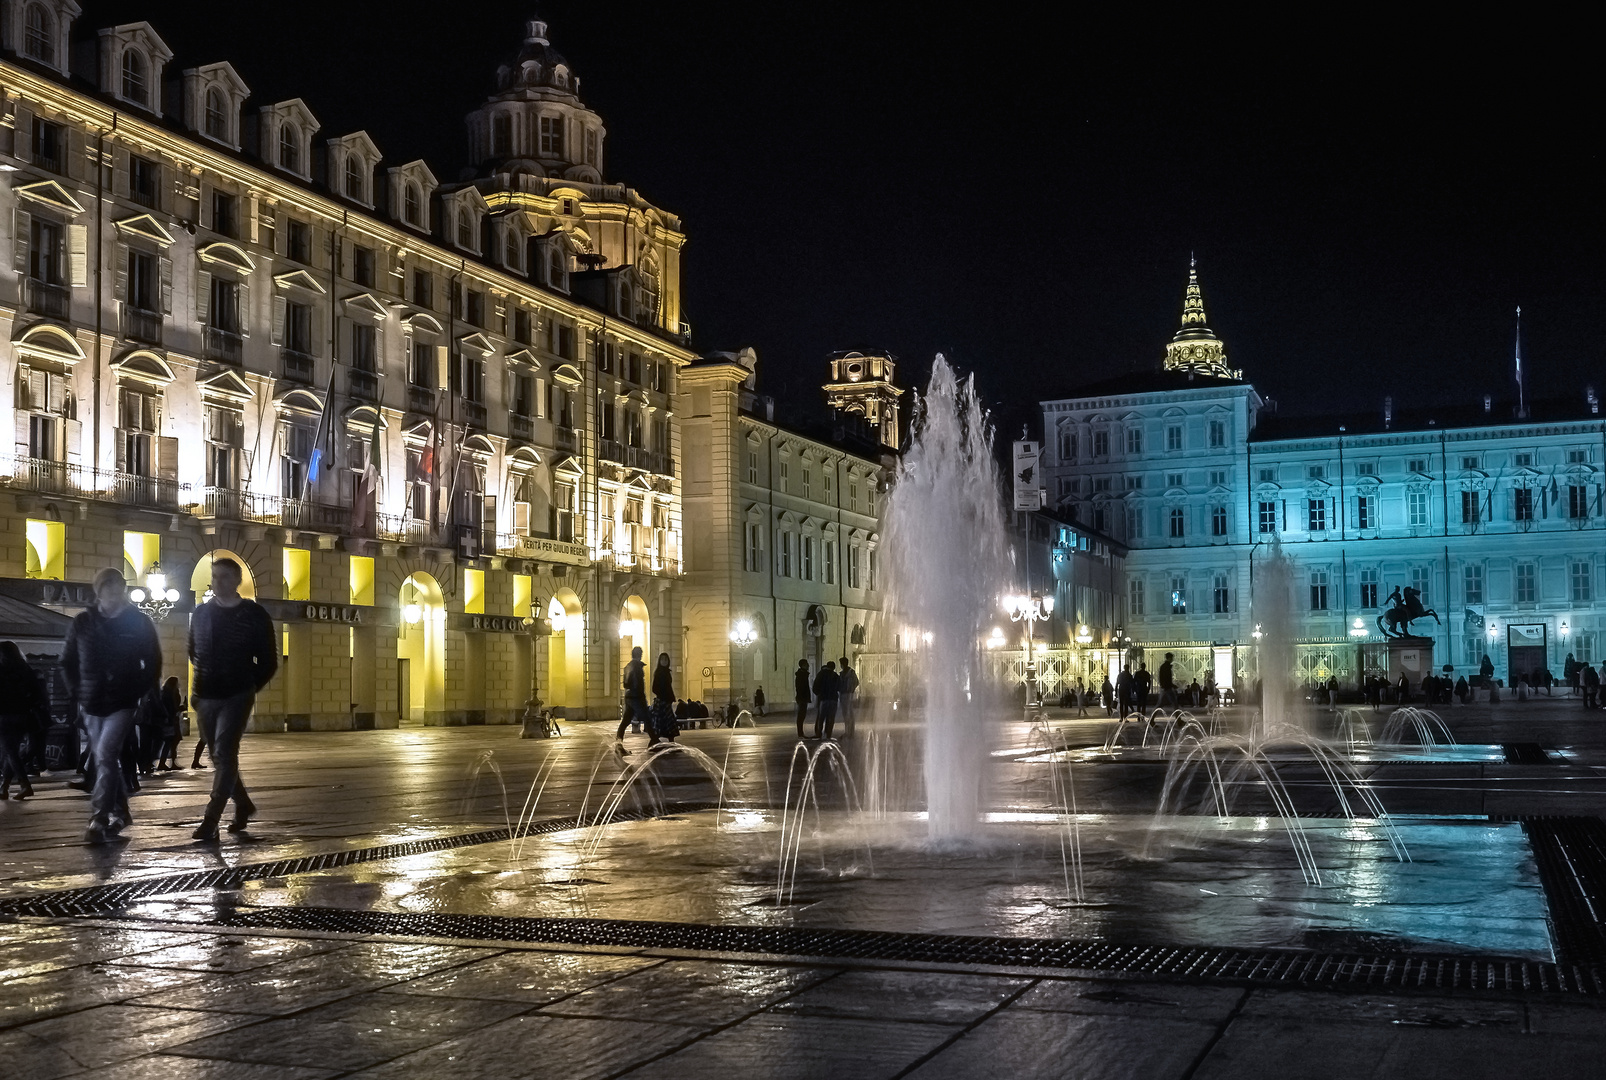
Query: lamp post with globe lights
(156, 599)
(1029, 610)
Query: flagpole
(1522, 405)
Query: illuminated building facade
(1496, 518)
(432, 421)
(781, 532)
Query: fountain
(945, 556)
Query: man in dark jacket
(847, 687)
(1168, 685)
(112, 659)
(1591, 680)
(635, 684)
(1141, 682)
(1123, 691)
(800, 686)
(235, 653)
(827, 684)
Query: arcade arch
(566, 650)
(421, 649)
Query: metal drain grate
(1526, 753)
(1271, 966)
(102, 899)
(1571, 855)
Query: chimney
(1594, 402)
(1388, 412)
(769, 409)
(1488, 404)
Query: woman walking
(172, 718)
(24, 709)
(664, 725)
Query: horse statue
(1402, 612)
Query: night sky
(1368, 203)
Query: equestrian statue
(1402, 612)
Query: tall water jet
(1274, 629)
(945, 555)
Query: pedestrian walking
(1591, 682)
(111, 660)
(1168, 686)
(635, 685)
(1142, 680)
(1403, 690)
(172, 719)
(846, 700)
(664, 725)
(234, 652)
(758, 701)
(1209, 692)
(24, 714)
(1332, 693)
(827, 684)
(803, 692)
(1107, 694)
(1123, 690)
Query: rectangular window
(1179, 517)
(1134, 597)
(475, 315)
(1470, 503)
(1179, 595)
(783, 553)
(1101, 444)
(1218, 477)
(1524, 589)
(1472, 582)
(873, 582)
(1268, 476)
(1417, 465)
(363, 264)
(827, 483)
(1422, 582)
(49, 145)
(1218, 434)
(144, 180)
(223, 310)
(1134, 523)
(808, 482)
(552, 136)
(1369, 583)
(1523, 461)
(1134, 483)
(1318, 590)
(1173, 437)
(853, 566)
(1174, 479)
(806, 559)
(829, 562)
(1577, 502)
(364, 346)
(1101, 483)
(1316, 472)
(1366, 511)
(1221, 596)
(299, 243)
(47, 252)
(752, 466)
(1366, 468)
(1316, 514)
(1471, 461)
(1416, 509)
(522, 332)
(564, 346)
(753, 562)
(423, 289)
(143, 288)
(1523, 504)
(1067, 446)
(785, 468)
(1266, 517)
(1218, 521)
(1581, 575)
(1578, 457)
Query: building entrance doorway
(421, 650)
(566, 650)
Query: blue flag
(312, 467)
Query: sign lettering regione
(487, 624)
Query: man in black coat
(804, 695)
(1123, 690)
(235, 653)
(112, 659)
(827, 684)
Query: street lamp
(1029, 610)
(743, 634)
(156, 599)
(1358, 629)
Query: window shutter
(280, 307)
(23, 443)
(120, 184)
(120, 273)
(167, 284)
(75, 442)
(205, 209)
(540, 397)
(242, 295)
(22, 135)
(443, 371)
(167, 458)
(122, 452)
(203, 295)
(21, 232)
(77, 161)
(78, 254)
(56, 394)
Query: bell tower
(1195, 346)
(861, 385)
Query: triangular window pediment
(419, 432)
(227, 383)
(365, 304)
(298, 279)
(51, 194)
(482, 343)
(523, 356)
(146, 227)
(222, 254)
(568, 466)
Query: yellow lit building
(432, 421)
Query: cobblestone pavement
(142, 992)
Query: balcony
(225, 504)
(566, 439)
(474, 414)
(224, 346)
(298, 366)
(611, 450)
(650, 461)
(408, 530)
(521, 427)
(420, 399)
(51, 301)
(363, 385)
(47, 477)
(626, 562)
(135, 490)
(145, 197)
(141, 325)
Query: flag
(312, 466)
(426, 460)
(370, 474)
(1522, 406)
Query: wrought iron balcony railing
(48, 299)
(141, 325)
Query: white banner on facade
(1028, 479)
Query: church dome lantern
(1195, 347)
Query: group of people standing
(832, 690)
(112, 666)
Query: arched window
(289, 148)
(217, 125)
(411, 205)
(501, 135)
(134, 83)
(39, 34)
(353, 177)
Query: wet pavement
(153, 989)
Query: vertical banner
(1028, 481)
